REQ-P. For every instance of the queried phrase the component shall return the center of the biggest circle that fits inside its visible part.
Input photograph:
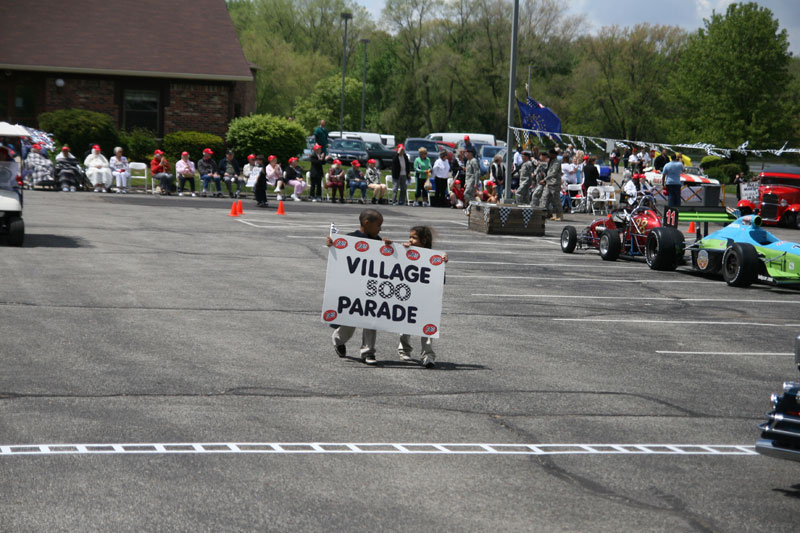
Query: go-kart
(780, 434)
(632, 231)
(745, 253)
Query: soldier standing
(539, 178)
(473, 173)
(552, 192)
(525, 179)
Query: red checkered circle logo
(340, 243)
(437, 260)
(387, 250)
(412, 254)
(329, 315)
(430, 329)
(362, 246)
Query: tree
(324, 103)
(732, 81)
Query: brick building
(166, 65)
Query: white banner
(385, 287)
(749, 190)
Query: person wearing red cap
(184, 168)
(336, 180)
(293, 176)
(68, 170)
(159, 168)
(355, 180)
(373, 178)
(468, 144)
(457, 196)
(317, 160)
(97, 170)
(250, 172)
(401, 170)
(39, 169)
(229, 171)
(120, 170)
(208, 170)
(274, 175)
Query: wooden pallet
(507, 219)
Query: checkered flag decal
(527, 214)
(504, 212)
(485, 213)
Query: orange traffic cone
(280, 210)
(691, 227)
(234, 212)
(239, 208)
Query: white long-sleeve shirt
(441, 168)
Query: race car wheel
(569, 238)
(740, 265)
(663, 248)
(797, 220)
(16, 231)
(609, 245)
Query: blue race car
(744, 253)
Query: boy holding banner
(370, 221)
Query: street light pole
(345, 16)
(511, 97)
(364, 83)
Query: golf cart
(12, 228)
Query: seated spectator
(38, 167)
(208, 170)
(249, 172)
(335, 180)
(120, 170)
(97, 170)
(489, 194)
(293, 176)
(159, 168)
(229, 170)
(355, 180)
(274, 175)
(373, 179)
(457, 195)
(185, 170)
(68, 170)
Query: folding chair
(412, 187)
(139, 167)
(611, 196)
(598, 199)
(575, 192)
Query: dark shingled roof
(162, 38)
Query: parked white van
(364, 136)
(482, 138)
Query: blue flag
(537, 117)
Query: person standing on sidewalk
(317, 160)
(552, 192)
(525, 179)
(441, 171)
(401, 166)
(672, 180)
(321, 136)
(473, 174)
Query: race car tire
(569, 239)
(663, 248)
(16, 232)
(740, 265)
(609, 245)
(797, 220)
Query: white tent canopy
(10, 130)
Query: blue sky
(688, 14)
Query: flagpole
(511, 98)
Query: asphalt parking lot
(186, 347)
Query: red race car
(633, 231)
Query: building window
(141, 110)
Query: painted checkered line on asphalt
(378, 448)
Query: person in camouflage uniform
(473, 174)
(525, 179)
(539, 175)
(552, 192)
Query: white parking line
(380, 448)
(673, 352)
(687, 322)
(571, 279)
(577, 264)
(639, 298)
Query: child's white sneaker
(429, 361)
(403, 355)
(296, 198)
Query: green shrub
(711, 161)
(724, 173)
(139, 144)
(267, 135)
(193, 142)
(80, 129)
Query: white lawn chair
(611, 197)
(575, 192)
(139, 167)
(598, 199)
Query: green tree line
(442, 65)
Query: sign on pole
(749, 190)
(372, 285)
